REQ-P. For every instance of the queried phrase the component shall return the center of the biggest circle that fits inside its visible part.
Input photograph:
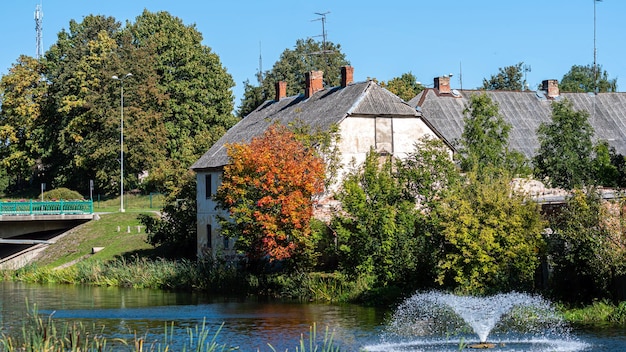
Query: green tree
(175, 229)
(485, 138)
(23, 92)
(587, 254)
(580, 79)
(428, 173)
(177, 103)
(565, 151)
(376, 230)
(83, 111)
(605, 171)
(267, 190)
(199, 105)
(507, 78)
(405, 86)
(291, 67)
(490, 238)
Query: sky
(381, 39)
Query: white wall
(209, 243)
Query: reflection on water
(248, 323)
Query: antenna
(323, 35)
(461, 74)
(260, 74)
(595, 52)
(526, 69)
(38, 30)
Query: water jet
(438, 321)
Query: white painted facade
(393, 135)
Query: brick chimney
(551, 87)
(442, 84)
(313, 83)
(347, 75)
(281, 90)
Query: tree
(200, 99)
(83, 112)
(490, 238)
(267, 190)
(565, 147)
(308, 55)
(175, 229)
(405, 86)
(587, 251)
(484, 141)
(508, 78)
(376, 228)
(23, 92)
(606, 171)
(177, 103)
(428, 173)
(580, 79)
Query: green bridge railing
(31, 207)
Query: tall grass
(598, 313)
(43, 334)
(138, 272)
(211, 276)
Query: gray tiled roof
(322, 110)
(525, 111)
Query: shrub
(62, 193)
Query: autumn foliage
(267, 189)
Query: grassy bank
(598, 313)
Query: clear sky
(381, 39)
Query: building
(366, 114)
(525, 111)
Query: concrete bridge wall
(17, 225)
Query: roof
(525, 111)
(322, 110)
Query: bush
(62, 193)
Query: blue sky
(381, 39)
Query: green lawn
(119, 233)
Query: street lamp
(122, 138)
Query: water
(251, 323)
(436, 321)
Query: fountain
(436, 321)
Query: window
(226, 243)
(209, 236)
(207, 185)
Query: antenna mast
(260, 75)
(323, 35)
(38, 30)
(526, 69)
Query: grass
(598, 313)
(118, 233)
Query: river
(249, 323)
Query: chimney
(313, 82)
(443, 84)
(347, 75)
(281, 90)
(551, 86)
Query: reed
(43, 334)
(598, 313)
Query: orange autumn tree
(267, 189)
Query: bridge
(19, 218)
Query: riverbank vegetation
(45, 334)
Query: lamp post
(122, 138)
